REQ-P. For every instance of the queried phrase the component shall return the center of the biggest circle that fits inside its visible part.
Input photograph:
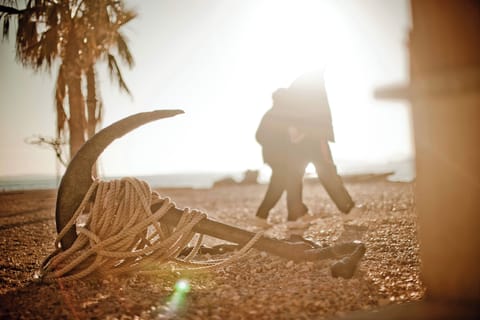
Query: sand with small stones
(259, 286)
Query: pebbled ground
(260, 286)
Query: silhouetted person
(274, 137)
(313, 122)
(293, 133)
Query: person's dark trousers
(274, 192)
(296, 171)
(331, 181)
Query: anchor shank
(290, 251)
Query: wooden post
(445, 96)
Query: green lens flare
(182, 286)
(177, 301)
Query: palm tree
(77, 34)
(102, 35)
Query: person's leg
(274, 192)
(295, 206)
(331, 181)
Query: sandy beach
(259, 286)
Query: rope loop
(122, 235)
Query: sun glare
(285, 39)
(288, 38)
(230, 64)
(293, 37)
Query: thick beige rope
(122, 235)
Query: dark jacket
(313, 115)
(303, 106)
(272, 135)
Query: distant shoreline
(403, 173)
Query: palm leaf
(9, 10)
(116, 74)
(123, 50)
(127, 16)
(49, 41)
(6, 25)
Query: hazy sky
(220, 61)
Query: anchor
(77, 181)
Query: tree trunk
(76, 102)
(76, 121)
(92, 102)
(93, 108)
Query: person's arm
(295, 135)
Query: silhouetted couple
(293, 133)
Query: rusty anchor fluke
(77, 180)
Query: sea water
(403, 171)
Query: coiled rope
(122, 235)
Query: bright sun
(295, 36)
(231, 63)
(288, 38)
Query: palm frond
(123, 50)
(116, 74)
(6, 25)
(127, 16)
(49, 46)
(27, 42)
(10, 10)
(52, 16)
